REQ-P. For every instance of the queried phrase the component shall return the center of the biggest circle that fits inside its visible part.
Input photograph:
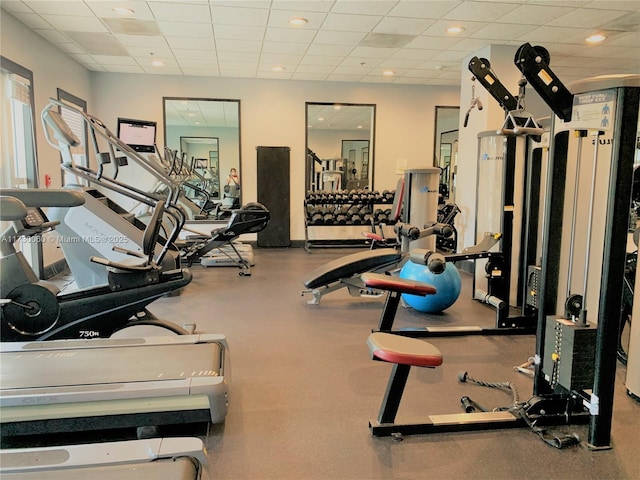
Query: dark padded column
(274, 193)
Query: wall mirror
(206, 134)
(340, 146)
(446, 148)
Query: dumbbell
(316, 216)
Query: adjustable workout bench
(346, 271)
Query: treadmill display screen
(138, 134)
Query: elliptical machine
(34, 309)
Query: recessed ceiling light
(337, 106)
(455, 30)
(359, 126)
(278, 68)
(157, 63)
(123, 11)
(298, 22)
(596, 38)
(388, 73)
(321, 119)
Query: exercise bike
(34, 309)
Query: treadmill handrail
(111, 342)
(101, 454)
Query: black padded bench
(346, 271)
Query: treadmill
(118, 385)
(158, 458)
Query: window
(18, 166)
(18, 133)
(79, 128)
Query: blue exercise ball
(447, 284)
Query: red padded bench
(395, 286)
(403, 353)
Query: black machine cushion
(351, 265)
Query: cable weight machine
(573, 380)
(587, 196)
(509, 205)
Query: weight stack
(569, 354)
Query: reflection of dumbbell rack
(349, 209)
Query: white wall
(273, 114)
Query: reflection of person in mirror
(233, 180)
(232, 188)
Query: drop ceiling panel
(331, 37)
(321, 60)
(71, 23)
(403, 25)
(309, 5)
(284, 47)
(590, 18)
(194, 54)
(52, 7)
(350, 23)
(182, 29)
(149, 41)
(534, 14)
(228, 45)
(239, 32)
(614, 5)
(33, 21)
(255, 17)
(188, 43)
(180, 12)
(378, 7)
(479, 11)
(289, 35)
(439, 28)
(502, 31)
(432, 9)
(201, 63)
(159, 52)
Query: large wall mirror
(446, 148)
(340, 144)
(206, 133)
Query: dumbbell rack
(346, 213)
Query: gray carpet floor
(304, 388)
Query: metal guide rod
(583, 313)
(573, 212)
